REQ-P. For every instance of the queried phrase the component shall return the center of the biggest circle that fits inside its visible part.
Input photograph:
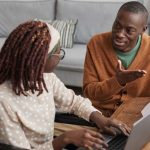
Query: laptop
(139, 135)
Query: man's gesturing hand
(126, 76)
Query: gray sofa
(94, 16)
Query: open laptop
(138, 137)
(140, 134)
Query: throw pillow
(66, 28)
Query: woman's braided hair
(23, 56)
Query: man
(117, 63)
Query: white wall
(147, 5)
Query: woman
(29, 94)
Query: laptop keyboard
(118, 143)
(115, 143)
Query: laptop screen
(140, 134)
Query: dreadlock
(22, 57)
(135, 7)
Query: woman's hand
(86, 138)
(109, 125)
(82, 138)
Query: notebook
(9, 147)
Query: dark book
(9, 147)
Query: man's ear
(145, 28)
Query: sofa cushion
(2, 40)
(66, 29)
(15, 12)
(74, 58)
(70, 69)
(94, 16)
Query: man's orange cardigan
(100, 83)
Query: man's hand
(126, 76)
(109, 125)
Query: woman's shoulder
(49, 76)
(5, 90)
(50, 79)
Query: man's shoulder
(103, 38)
(146, 36)
(145, 41)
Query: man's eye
(130, 31)
(117, 26)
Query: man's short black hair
(135, 7)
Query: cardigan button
(118, 103)
(124, 92)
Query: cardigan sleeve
(67, 101)
(93, 87)
(11, 131)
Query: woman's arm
(81, 138)
(60, 142)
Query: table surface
(129, 112)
